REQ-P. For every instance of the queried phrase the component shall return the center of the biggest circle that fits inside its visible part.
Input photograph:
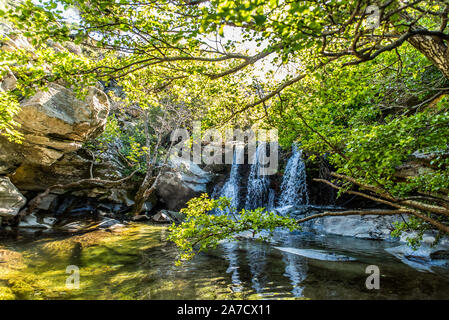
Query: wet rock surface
(374, 227)
(364, 227)
(424, 258)
(34, 222)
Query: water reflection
(257, 261)
(295, 268)
(231, 254)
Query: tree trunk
(434, 49)
(145, 190)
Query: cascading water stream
(294, 184)
(231, 188)
(259, 193)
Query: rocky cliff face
(55, 124)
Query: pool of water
(139, 263)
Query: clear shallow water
(138, 263)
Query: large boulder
(55, 122)
(11, 200)
(184, 181)
(419, 163)
(376, 227)
(73, 167)
(365, 227)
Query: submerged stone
(316, 254)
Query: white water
(259, 195)
(231, 188)
(294, 185)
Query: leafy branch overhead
(207, 230)
(362, 84)
(180, 39)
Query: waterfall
(271, 198)
(293, 192)
(294, 185)
(231, 188)
(259, 193)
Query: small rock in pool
(161, 217)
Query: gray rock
(167, 216)
(57, 122)
(162, 217)
(148, 206)
(185, 181)
(114, 195)
(47, 201)
(108, 223)
(73, 48)
(424, 258)
(8, 82)
(11, 200)
(363, 227)
(54, 123)
(70, 168)
(32, 222)
(141, 217)
(17, 42)
(368, 227)
(50, 221)
(74, 226)
(176, 216)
